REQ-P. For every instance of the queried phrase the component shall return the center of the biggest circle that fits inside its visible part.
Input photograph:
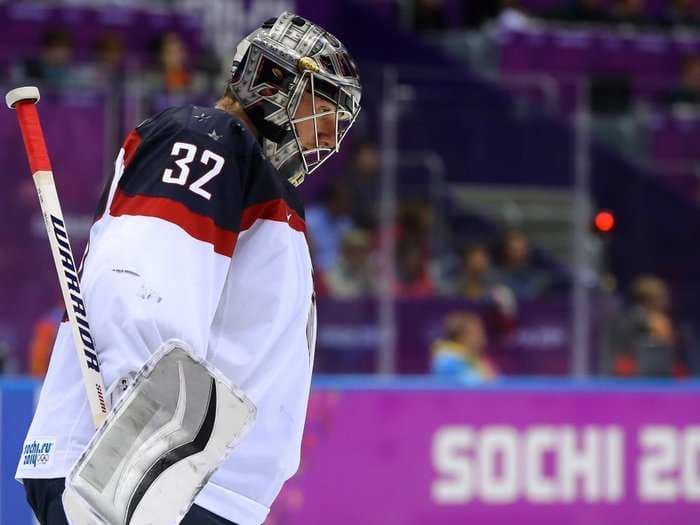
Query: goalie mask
(291, 75)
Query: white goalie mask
(273, 68)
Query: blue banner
(16, 407)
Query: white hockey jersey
(196, 237)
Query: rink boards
(416, 451)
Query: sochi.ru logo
(37, 453)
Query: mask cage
(344, 115)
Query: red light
(604, 221)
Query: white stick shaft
(23, 101)
(72, 296)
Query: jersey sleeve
(159, 255)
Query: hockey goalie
(198, 287)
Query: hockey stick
(23, 100)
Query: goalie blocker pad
(160, 444)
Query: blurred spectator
(460, 352)
(642, 340)
(476, 12)
(41, 343)
(630, 12)
(478, 283)
(208, 65)
(353, 276)
(51, 66)
(412, 276)
(172, 72)
(413, 250)
(4, 357)
(513, 16)
(477, 280)
(327, 222)
(429, 15)
(681, 13)
(515, 269)
(687, 93)
(109, 64)
(363, 181)
(610, 93)
(415, 222)
(591, 11)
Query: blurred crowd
(436, 15)
(677, 13)
(489, 276)
(168, 68)
(492, 275)
(644, 335)
(641, 336)
(611, 93)
(642, 339)
(344, 234)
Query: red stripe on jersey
(130, 146)
(274, 210)
(196, 225)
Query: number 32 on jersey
(186, 153)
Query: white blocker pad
(158, 447)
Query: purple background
(367, 454)
(27, 276)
